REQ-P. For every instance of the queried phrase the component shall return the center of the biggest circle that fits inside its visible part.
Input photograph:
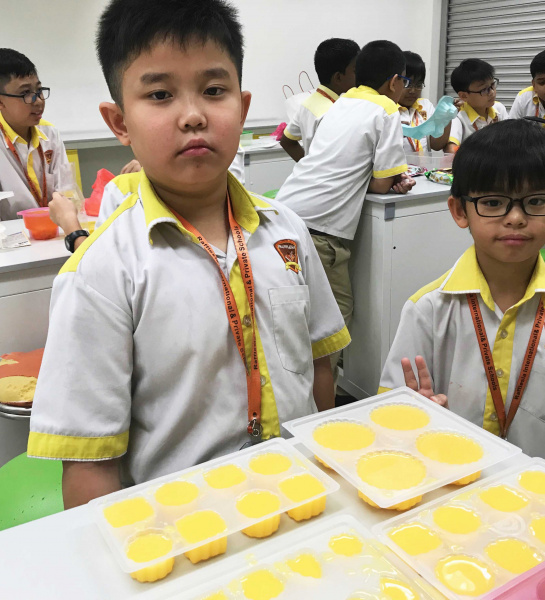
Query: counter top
(424, 189)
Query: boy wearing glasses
(31, 150)
(474, 82)
(415, 110)
(475, 334)
(358, 147)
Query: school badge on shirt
(48, 156)
(288, 251)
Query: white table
(64, 556)
(403, 242)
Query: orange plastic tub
(37, 221)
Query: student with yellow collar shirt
(32, 153)
(414, 110)
(530, 101)
(358, 147)
(197, 317)
(334, 61)
(488, 309)
(475, 83)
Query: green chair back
(30, 488)
(271, 194)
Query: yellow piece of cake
(299, 488)
(504, 498)
(400, 417)
(128, 512)
(537, 528)
(306, 565)
(513, 555)
(148, 547)
(343, 436)
(224, 477)
(261, 585)
(533, 481)
(17, 389)
(415, 538)
(391, 470)
(200, 526)
(456, 519)
(346, 544)
(465, 575)
(270, 463)
(258, 504)
(449, 448)
(399, 506)
(177, 493)
(394, 589)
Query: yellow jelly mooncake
(224, 477)
(299, 488)
(464, 575)
(346, 544)
(513, 555)
(148, 547)
(449, 448)
(533, 481)
(258, 504)
(177, 493)
(391, 470)
(394, 589)
(261, 585)
(415, 538)
(537, 528)
(503, 498)
(200, 526)
(456, 519)
(128, 512)
(306, 565)
(343, 436)
(270, 463)
(400, 417)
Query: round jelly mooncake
(400, 417)
(343, 436)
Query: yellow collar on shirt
(364, 92)
(329, 92)
(474, 115)
(246, 206)
(418, 107)
(37, 134)
(466, 277)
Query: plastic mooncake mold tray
(471, 543)
(193, 511)
(399, 445)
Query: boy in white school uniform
(334, 61)
(414, 110)
(32, 154)
(197, 317)
(475, 83)
(491, 301)
(357, 148)
(530, 101)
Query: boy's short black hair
(415, 68)
(14, 64)
(537, 66)
(129, 27)
(378, 61)
(333, 56)
(468, 71)
(500, 158)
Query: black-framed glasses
(415, 86)
(486, 90)
(498, 206)
(406, 80)
(31, 97)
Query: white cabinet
(266, 170)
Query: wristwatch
(70, 239)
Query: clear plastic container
(471, 543)
(335, 558)
(429, 160)
(198, 508)
(246, 138)
(396, 446)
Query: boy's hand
(133, 167)
(422, 385)
(403, 183)
(64, 213)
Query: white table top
(38, 254)
(64, 556)
(424, 189)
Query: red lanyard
(490, 369)
(415, 144)
(41, 199)
(325, 95)
(253, 378)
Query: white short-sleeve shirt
(436, 323)
(419, 112)
(468, 121)
(140, 358)
(12, 175)
(305, 122)
(527, 104)
(359, 137)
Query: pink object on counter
(92, 204)
(528, 586)
(37, 221)
(279, 131)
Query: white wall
(281, 37)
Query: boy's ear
(463, 96)
(458, 212)
(392, 83)
(113, 117)
(245, 99)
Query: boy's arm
(84, 481)
(324, 394)
(292, 147)
(441, 142)
(400, 184)
(455, 137)
(64, 213)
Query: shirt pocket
(291, 312)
